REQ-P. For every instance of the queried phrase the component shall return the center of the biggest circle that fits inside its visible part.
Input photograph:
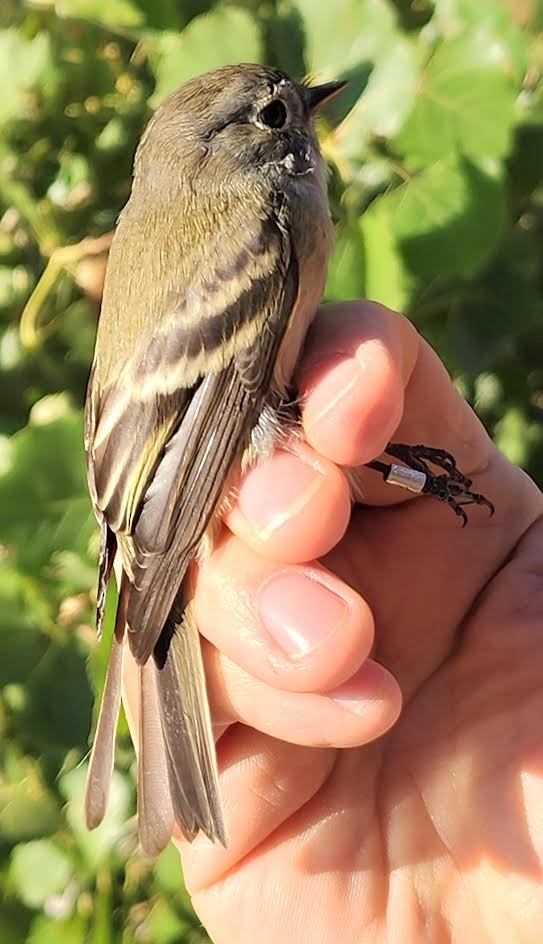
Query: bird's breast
(312, 241)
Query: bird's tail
(177, 769)
(187, 729)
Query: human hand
(343, 825)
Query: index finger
(357, 363)
(366, 377)
(348, 425)
(295, 505)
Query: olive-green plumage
(215, 272)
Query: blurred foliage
(436, 153)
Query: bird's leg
(451, 486)
(423, 454)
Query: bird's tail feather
(186, 724)
(177, 767)
(103, 748)
(155, 811)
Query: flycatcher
(215, 272)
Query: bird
(215, 272)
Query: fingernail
(362, 690)
(271, 493)
(299, 613)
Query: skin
(428, 825)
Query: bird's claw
(451, 486)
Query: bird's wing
(163, 434)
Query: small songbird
(215, 272)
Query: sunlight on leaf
(215, 39)
(38, 870)
(23, 64)
(465, 101)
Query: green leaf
(167, 871)
(386, 278)
(14, 920)
(117, 14)
(361, 41)
(27, 809)
(23, 614)
(515, 434)
(58, 712)
(163, 14)
(465, 101)
(124, 15)
(45, 930)
(100, 846)
(227, 35)
(44, 504)
(453, 17)
(342, 36)
(23, 64)
(385, 102)
(284, 39)
(39, 870)
(446, 219)
(347, 265)
(165, 926)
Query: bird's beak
(320, 94)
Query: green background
(436, 155)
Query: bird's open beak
(320, 94)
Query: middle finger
(295, 627)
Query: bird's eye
(274, 115)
